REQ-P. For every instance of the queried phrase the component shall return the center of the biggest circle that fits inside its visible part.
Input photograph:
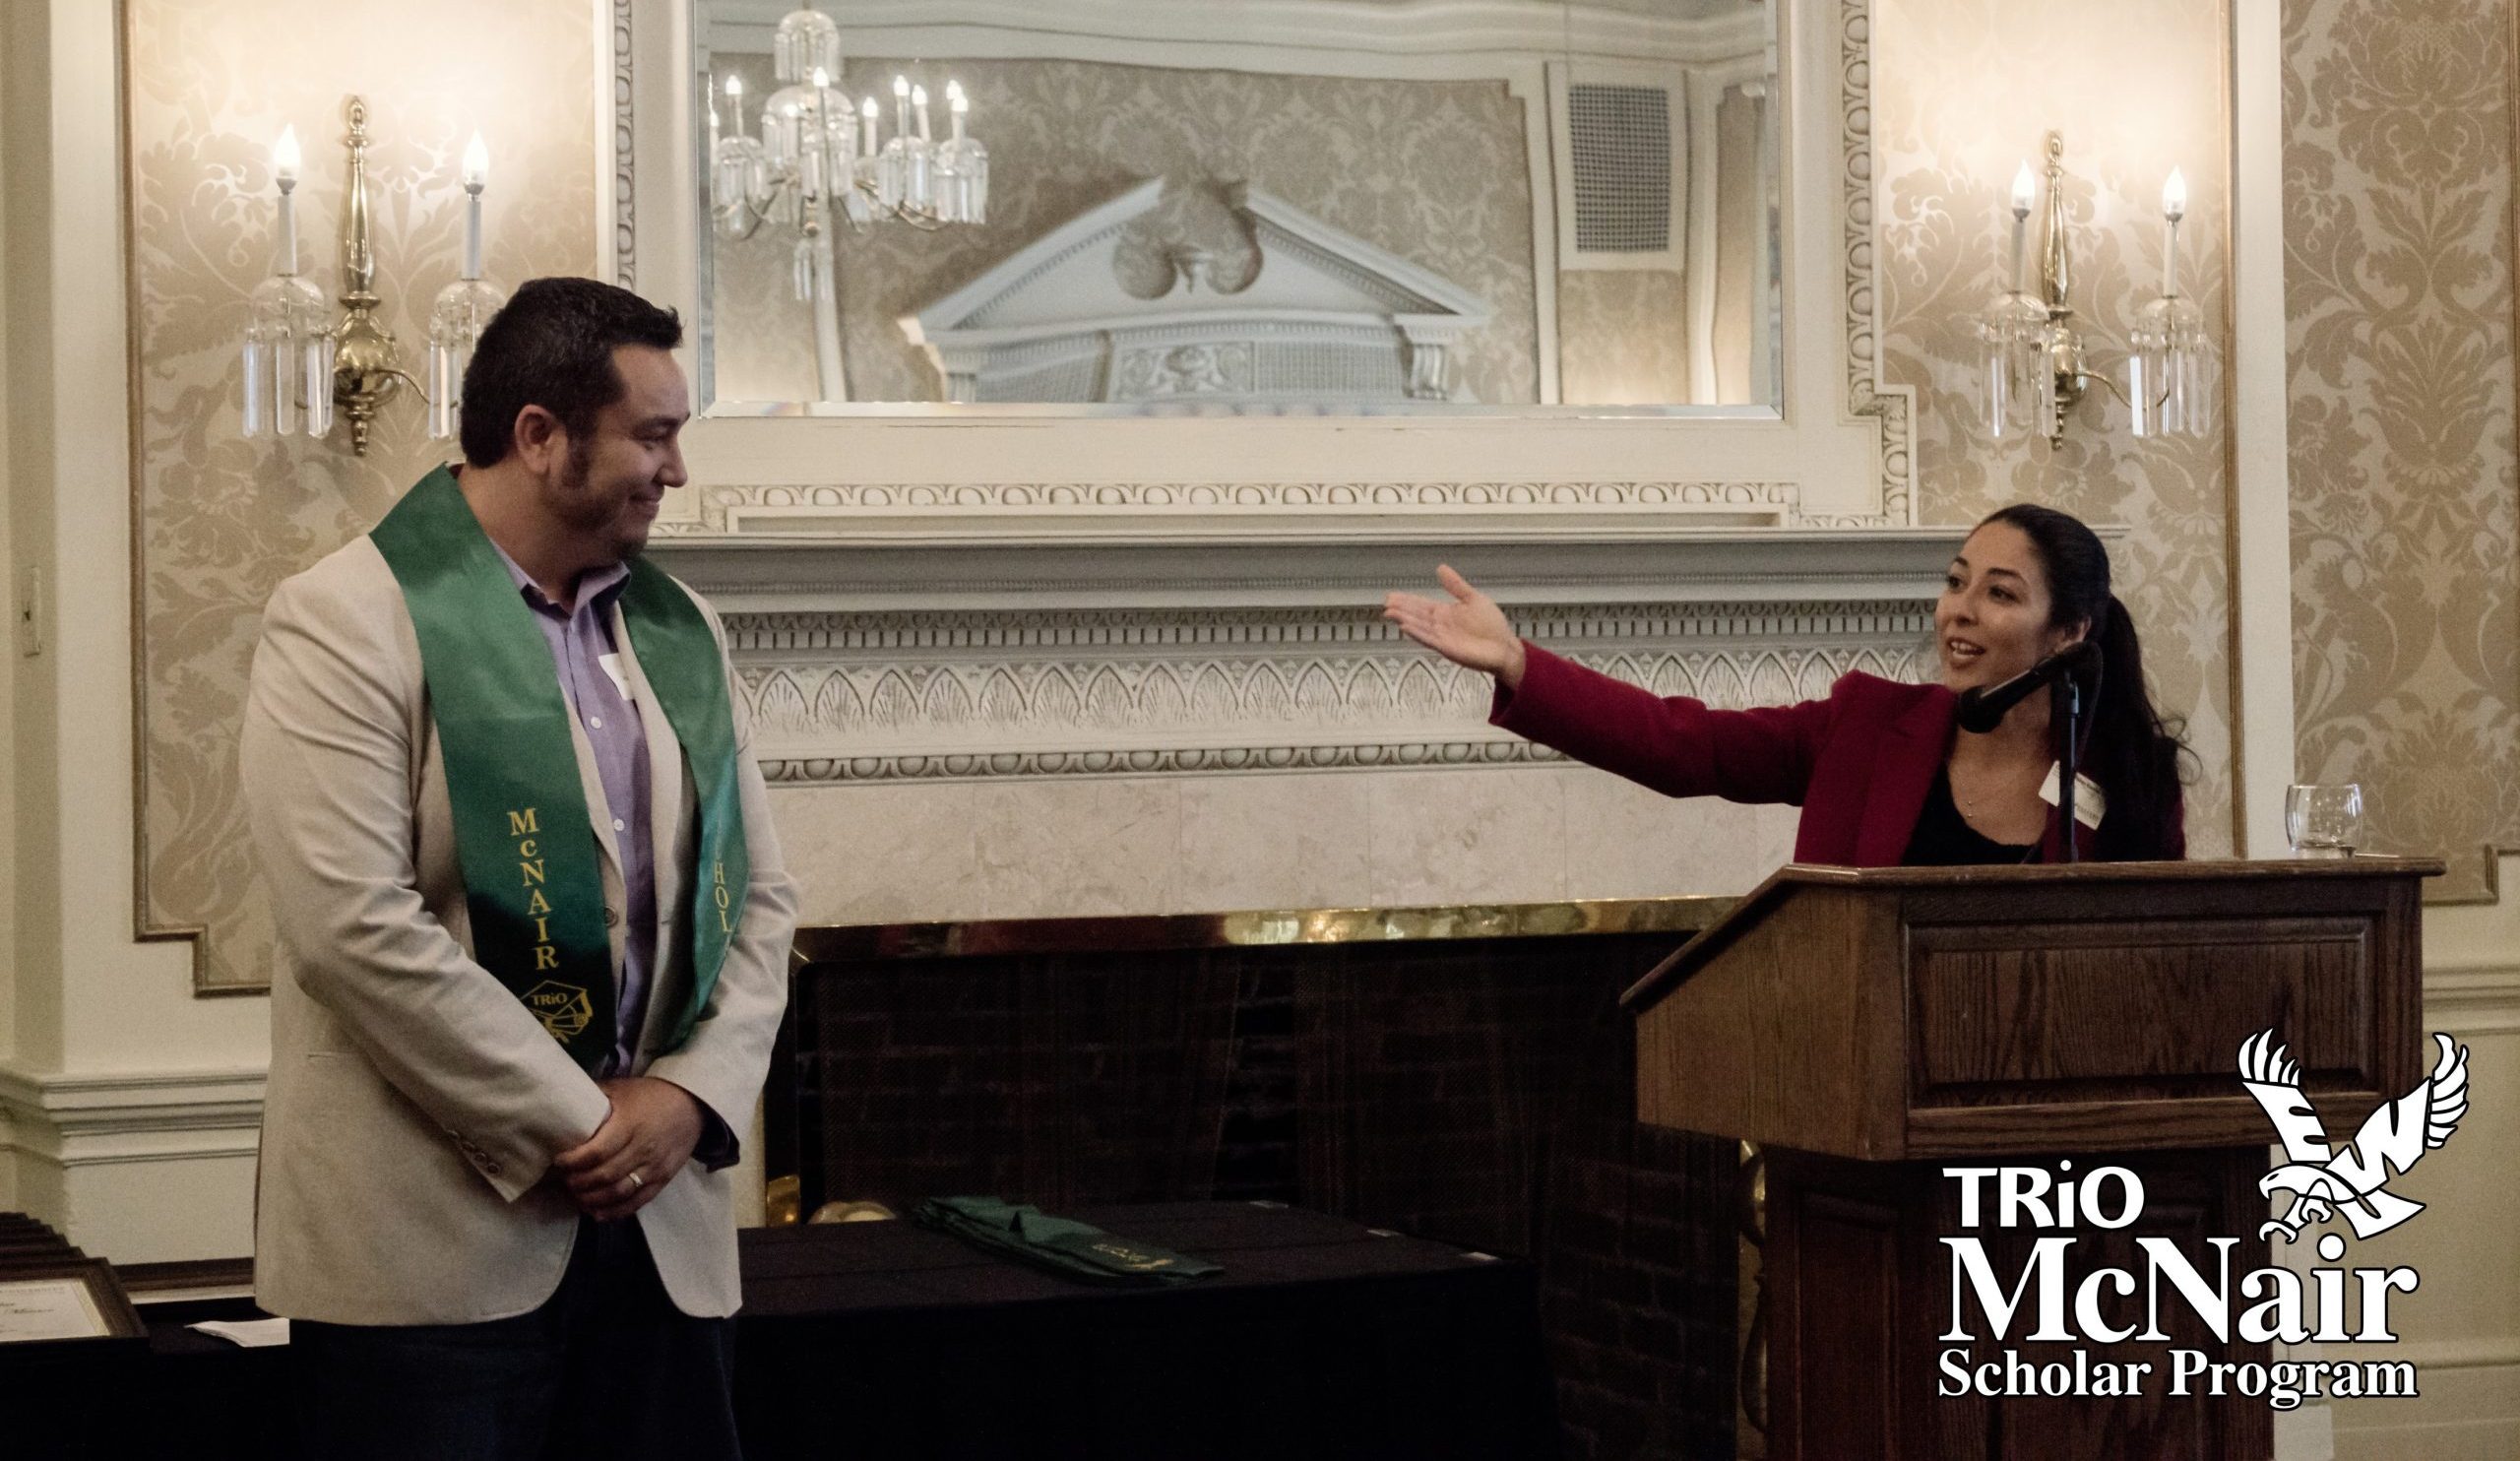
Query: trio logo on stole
(564, 1009)
(2323, 1182)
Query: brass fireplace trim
(1256, 928)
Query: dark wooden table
(1321, 1339)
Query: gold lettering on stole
(524, 825)
(719, 895)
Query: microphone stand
(2065, 702)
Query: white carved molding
(1407, 515)
(112, 1120)
(892, 555)
(1112, 305)
(2472, 1000)
(922, 693)
(1270, 34)
(1868, 397)
(616, 125)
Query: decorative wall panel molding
(1867, 396)
(624, 132)
(923, 695)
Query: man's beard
(574, 505)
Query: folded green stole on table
(1065, 1246)
(524, 834)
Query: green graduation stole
(1063, 1245)
(523, 834)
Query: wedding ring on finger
(637, 1182)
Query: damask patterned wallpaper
(1965, 91)
(222, 520)
(2402, 456)
(1435, 173)
(1602, 358)
(2398, 211)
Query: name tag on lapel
(2090, 802)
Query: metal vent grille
(1620, 140)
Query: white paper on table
(253, 1334)
(48, 1308)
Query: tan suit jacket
(414, 1105)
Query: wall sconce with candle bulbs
(819, 158)
(299, 364)
(2033, 370)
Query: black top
(1944, 839)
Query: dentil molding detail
(724, 509)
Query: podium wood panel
(1854, 1255)
(1867, 1026)
(1896, 1013)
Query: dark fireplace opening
(1475, 1087)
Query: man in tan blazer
(497, 1245)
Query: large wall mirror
(1245, 206)
(1236, 267)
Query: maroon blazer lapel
(1910, 751)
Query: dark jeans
(608, 1370)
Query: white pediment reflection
(1123, 305)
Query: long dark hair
(2132, 752)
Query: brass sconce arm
(2036, 370)
(295, 355)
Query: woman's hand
(1470, 631)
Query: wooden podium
(1868, 1028)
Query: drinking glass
(2324, 821)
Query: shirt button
(595, 721)
(619, 825)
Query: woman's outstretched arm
(1675, 745)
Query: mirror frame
(1838, 454)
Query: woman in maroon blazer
(1882, 771)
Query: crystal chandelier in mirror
(820, 157)
(2031, 370)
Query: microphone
(1983, 709)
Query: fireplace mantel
(905, 564)
(949, 649)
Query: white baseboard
(2472, 999)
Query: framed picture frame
(66, 1300)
